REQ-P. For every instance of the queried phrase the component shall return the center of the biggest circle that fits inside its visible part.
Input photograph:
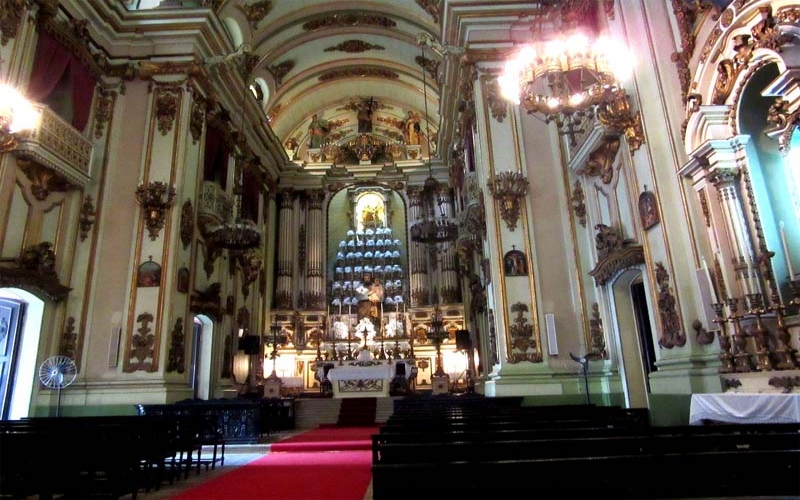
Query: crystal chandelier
(565, 79)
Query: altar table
(745, 408)
(361, 381)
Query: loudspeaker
(552, 340)
(250, 344)
(462, 340)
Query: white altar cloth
(744, 408)
(361, 381)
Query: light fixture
(432, 229)
(155, 198)
(565, 79)
(509, 188)
(17, 115)
(436, 334)
(237, 233)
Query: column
(449, 287)
(286, 254)
(418, 290)
(315, 250)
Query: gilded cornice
(281, 69)
(354, 47)
(256, 12)
(358, 72)
(44, 180)
(432, 7)
(147, 70)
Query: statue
(411, 129)
(364, 114)
(317, 131)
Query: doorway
(12, 314)
(19, 361)
(202, 355)
(629, 306)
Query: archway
(22, 372)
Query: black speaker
(462, 340)
(250, 344)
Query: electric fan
(57, 372)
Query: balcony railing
(56, 144)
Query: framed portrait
(183, 280)
(515, 263)
(648, 209)
(148, 274)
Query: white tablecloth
(385, 372)
(743, 408)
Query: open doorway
(202, 355)
(629, 303)
(19, 369)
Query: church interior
(565, 201)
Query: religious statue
(364, 114)
(370, 297)
(317, 131)
(411, 129)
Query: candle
(711, 288)
(786, 252)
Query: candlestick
(711, 289)
(786, 252)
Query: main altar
(372, 378)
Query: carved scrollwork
(786, 383)
(69, 340)
(103, 110)
(497, 103)
(142, 346)
(596, 335)
(187, 223)
(522, 344)
(256, 11)
(208, 302)
(166, 109)
(280, 70)
(250, 262)
(578, 203)
(615, 254)
(509, 188)
(671, 332)
(601, 161)
(35, 271)
(177, 349)
(44, 180)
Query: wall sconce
(508, 188)
(155, 198)
(17, 115)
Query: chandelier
(17, 114)
(364, 146)
(565, 79)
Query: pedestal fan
(57, 372)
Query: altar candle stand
(740, 356)
(725, 355)
(784, 354)
(755, 305)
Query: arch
(25, 372)
(202, 356)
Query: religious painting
(183, 280)
(515, 263)
(148, 274)
(648, 209)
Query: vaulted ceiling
(324, 57)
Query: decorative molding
(578, 203)
(596, 334)
(283, 299)
(786, 383)
(208, 302)
(728, 70)
(477, 291)
(177, 349)
(44, 180)
(704, 337)
(349, 20)
(103, 110)
(784, 123)
(616, 115)
(354, 47)
(601, 161)
(493, 339)
(166, 108)
(250, 262)
(210, 257)
(731, 383)
(522, 345)
(431, 7)
(498, 105)
(358, 72)
(142, 347)
(155, 199)
(10, 19)
(197, 118)
(301, 248)
(69, 340)
(509, 188)
(87, 218)
(256, 12)
(429, 65)
(614, 254)
(704, 206)
(280, 70)
(35, 271)
(187, 223)
(671, 332)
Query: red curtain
(51, 62)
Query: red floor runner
(330, 463)
(341, 475)
(329, 439)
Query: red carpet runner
(295, 473)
